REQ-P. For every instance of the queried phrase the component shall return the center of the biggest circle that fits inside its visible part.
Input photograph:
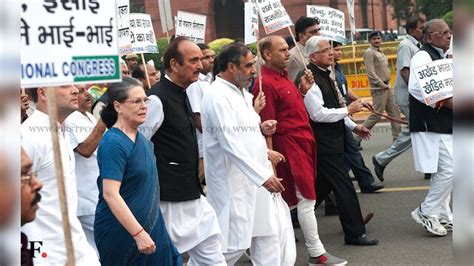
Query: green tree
(434, 8)
(448, 17)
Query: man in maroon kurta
(294, 139)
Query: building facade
(225, 17)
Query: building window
(137, 6)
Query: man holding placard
(294, 139)
(36, 140)
(431, 128)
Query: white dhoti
(193, 228)
(433, 153)
(273, 241)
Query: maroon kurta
(293, 138)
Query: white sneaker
(430, 223)
(326, 259)
(446, 223)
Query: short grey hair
(313, 44)
(428, 25)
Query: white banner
(435, 80)
(250, 22)
(66, 42)
(273, 15)
(191, 25)
(142, 35)
(331, 22)
(166, 18)
(350, 12)
(123, 21)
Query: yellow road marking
(396, 189)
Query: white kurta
(48, 227)
(425, 144)
(195, 92)
(237, 156)
(79, 127)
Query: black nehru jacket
(175, 145)
(423, 118)
(329, 136)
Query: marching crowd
(205, 158)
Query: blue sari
(132, 164)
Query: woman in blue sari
(129, 228)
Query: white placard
(435, 80)
(331, 22)
(123, 29)
(191, 25)
(166, 18)
(350, 11)
(251, 22)
(273, 15)
(66, 42)
(142, 35)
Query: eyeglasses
(324, 51)
(125, 72)
(28, 178)
(444, 33)
(138, 101)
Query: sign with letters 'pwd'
(435, 80)
(64, 42)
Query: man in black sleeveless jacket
(431, 128)
(190, 220)
(329, 120)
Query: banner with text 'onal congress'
(64, 42)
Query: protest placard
(142, 35)
(331, 22)
(350, 11)
(166, 18)
(64, 42)
(251, 22)
(191, 25)
(123, 29)
(435, 80)
(273, 15)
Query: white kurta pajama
(237, 152)
(48, 226)
(432, 153)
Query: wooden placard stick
(53, 118)
(146, 71)
(297, 47)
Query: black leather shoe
(378, 169)
(427, 176)
(371, 188)
(362, 240)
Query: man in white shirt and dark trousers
(431, 128)
(328, 123)
(405, 51)
(195, 93)
(36, 141)
(190, 220)
(85, 134)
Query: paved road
(402, 241)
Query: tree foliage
(434, 8)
